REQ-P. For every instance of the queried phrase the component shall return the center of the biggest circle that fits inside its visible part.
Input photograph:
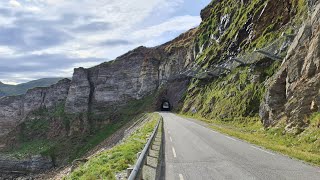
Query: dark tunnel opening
(165, 106)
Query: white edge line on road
(262, 150)
(174, 152)
(214, 131)
(231, 138)
(181, 177)
(170, 139)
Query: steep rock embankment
(232, 27)
(14, 109)
(140, 72)
(225, 47)
(294, 92)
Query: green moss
(37, 124)
(301, 7)
(239, 93)
(314, 119)
(30, 148)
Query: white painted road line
(181, 177)
(174, 152)
(170, 139)
(262, 150)
(230, 138)
(214, 131)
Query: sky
(48, 38)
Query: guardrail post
(146, 160)
(129, 171)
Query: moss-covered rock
(231, 29)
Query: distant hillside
(8, 90)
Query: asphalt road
(194, 152)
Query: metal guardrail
(136, 173)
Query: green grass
(106, 164)
(130, 112)
(92, 141)
(30, 148)
(304, 146)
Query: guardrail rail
(137, 172)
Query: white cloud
(14, 3)
(85, 29)
(5, 51)
(175, 24)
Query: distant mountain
(9, 90)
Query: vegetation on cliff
(47, 132)
(230, 30)
(231, 102)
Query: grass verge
(304, 146)
(106, 164)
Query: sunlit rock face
(294, 92)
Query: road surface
(194, 152)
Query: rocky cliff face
(91, 92)
(227, 48)
(22, 167)
(294, 92)
(284, 43)
(14, 109)
(132, 76)
(223, 88)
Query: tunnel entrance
(165, 106)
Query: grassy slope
(234, 95)
(106, 164)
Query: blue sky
(48, 38)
